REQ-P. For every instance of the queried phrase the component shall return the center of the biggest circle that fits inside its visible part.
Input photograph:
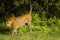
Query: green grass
(37, 35)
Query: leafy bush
(45, 16)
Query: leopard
(19, 21)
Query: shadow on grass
(5, 30)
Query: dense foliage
(45, 15)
